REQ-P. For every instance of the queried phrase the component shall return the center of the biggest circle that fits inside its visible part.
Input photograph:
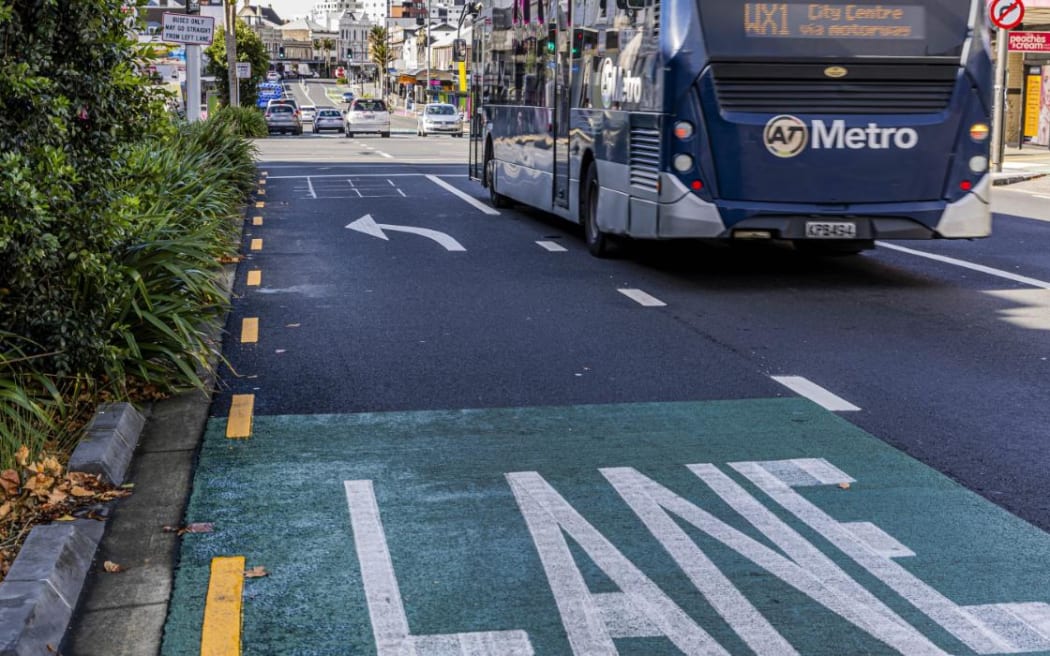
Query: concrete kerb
(1014, 178)
(40, 593)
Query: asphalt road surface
(468, 436)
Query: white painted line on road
(640, 297)
(349, 174)
(1043, 196)
(1024, 280)
(553, 247)
(816, 393)
(468, 198)
(313, 194)
(386, 155)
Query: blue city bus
(829, 125)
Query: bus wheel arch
(497, 199)
(599, 243)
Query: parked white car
(439, 118)
(367, 115)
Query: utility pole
(193, 72)
(426, 87)
(231, 52)
(1002, 38)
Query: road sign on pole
(244, 70)
(187, 28)
(1006, 14)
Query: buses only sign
(189, 29)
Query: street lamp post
(426, 88)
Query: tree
(249, 49)
(379, 52)
(328, 46)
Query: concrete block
(59, 554)
(33, 618)
(109, 442)
(40, 592)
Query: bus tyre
(498, 200)
(600, 244)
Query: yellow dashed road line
(221, 633)
(254, 278)
(256, 245)
(239, 423)
(260, 204)
(257, 220)
(250, 330)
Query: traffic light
(280, 52)
(349, 53)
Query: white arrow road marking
(367, 225)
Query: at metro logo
(838, 136)
(787, 136)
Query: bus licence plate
(831, 230)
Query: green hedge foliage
(114, 220)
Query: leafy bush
(114, 221)
(245, 121)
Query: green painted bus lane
(732, 527)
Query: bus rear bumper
(683, 214)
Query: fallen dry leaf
(255, 572)
(844, 486)
(199, 527)
(65, 518)
(10, 481)
(78, 491)
(112, 567)
(22, 455)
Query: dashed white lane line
(313, 194)
(1024, 280)
(466, 197)
(641, 298)
(816, 393)
(553, 247)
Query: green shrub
(245, 121)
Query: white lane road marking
(816, 393)
(553, 247)
(313, 194)
(466, 197)
(640, 297)
(1024, 280)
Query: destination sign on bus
(792, 20)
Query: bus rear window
(740, 29)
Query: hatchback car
(439, 118)
(367, 115)
(328, 118)
(283, 118)
(348, 97)
(307, 112)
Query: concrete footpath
(123, 614)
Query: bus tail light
(979, 132)
(696, 185)
(683, 130)
(979, 164)
(966, 185)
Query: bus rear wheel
(599, 243)
(497, 199)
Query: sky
(287, 8)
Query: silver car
(328, 118)
(367, 115)
(439, 118)
(283, 118)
